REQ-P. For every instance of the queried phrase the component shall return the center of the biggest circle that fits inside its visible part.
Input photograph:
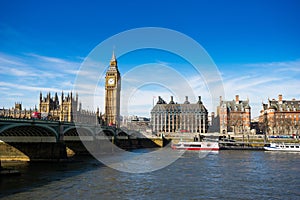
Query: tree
(236, 121)
(263, 124)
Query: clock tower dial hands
(111, 81)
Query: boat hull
(196, 146)
(197, 149)
(282, 147)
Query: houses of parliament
(68, 108)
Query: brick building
(235, 116)
(280, 117)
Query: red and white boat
(196, 146)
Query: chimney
(237, 100)
(199, 100)
(186, 100)
(280, 98)
(171, 102)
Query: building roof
(237, 106)
(161, 105)
(284, 105)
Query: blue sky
(255, 44)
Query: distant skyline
(255, 45)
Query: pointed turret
(113, 61)
(62, 96)
(56, 97)
(113, 57)
(76, 97)
(80, 106)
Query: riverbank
(239, 142)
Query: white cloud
(255, 82)
(272, 65)
(260, 81)
(28, 87)
(25, 75)
(10, 60)
(48, 59)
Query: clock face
(111, 81)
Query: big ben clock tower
(112, 93)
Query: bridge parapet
(12, 129)
(60, 130)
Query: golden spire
(113, 61)
(113, 57)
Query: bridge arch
(28, 130)
(72, 131)
(108, 132)
(122, 133)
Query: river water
(223, 175)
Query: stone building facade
(17, 112)
(172, 117)
(280, 117)
(235, 116)
(67, 109)
(112, 93)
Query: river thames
(223, 175)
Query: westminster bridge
(52, 140)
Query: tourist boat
(196, 146)
(282, 147)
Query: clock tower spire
(113, 61)
(112, 93)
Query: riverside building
(66, 108)
(280, 117)
(235, 116)
(173, 117)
